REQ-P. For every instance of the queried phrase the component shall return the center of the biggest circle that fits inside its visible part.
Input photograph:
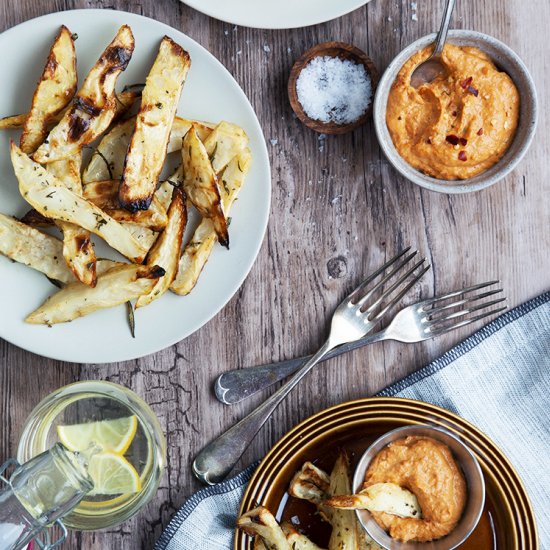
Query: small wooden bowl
(342, 51)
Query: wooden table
(338, 210)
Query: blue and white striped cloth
(498, 379)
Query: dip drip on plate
(458, 125)
(426, 467)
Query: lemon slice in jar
(112, 474)
(114, 435)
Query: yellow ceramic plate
(508, 521)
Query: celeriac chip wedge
(13, 121)
(52, 199)
(224, 143)
(198, 249)
(54, 91)
(117, 286)
(95, 104)
(261, 523)
(104, 194)
(78, 249)
(344, 523)
(147, 150)
(200, 183)
(380, 497)
(166, 250)
(29, 246)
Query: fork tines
(399, 270)
(463, 309)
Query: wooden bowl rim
(331, 49)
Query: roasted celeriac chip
(104, 194)
(29, 246)
(380, 497)
(261, 523)
(224, 143)
(200, 183)
(117, 286)
(52, 199)
(95, 104)
(310, 483)
(166, 250)
(344, 523)
(147, 150)
(78, 249)
(54, 91)
(198, 249)
(13, 121)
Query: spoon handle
(444, 29)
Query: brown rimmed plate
(507, 523)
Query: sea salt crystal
(334, 90)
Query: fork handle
(219, 457)
(235, 385)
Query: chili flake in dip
(458, 125)
(426, 467)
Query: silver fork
(352, 319)
(414, 323)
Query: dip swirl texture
(427, 468)
(458, 125)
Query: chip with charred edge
(147, 150)
(198, 249)
(52, 199)
(261, 523)
(78, 249)
(201, 184)
(107, 160)
(380, 497)
(166, 250)
(29, 246)
(224, 143)
(13, 121)
(54, 91)
(310, 483)
(115, 287)
(344, 522)
(95, 103)
(104, 194)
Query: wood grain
(338, 210)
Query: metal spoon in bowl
(430, 69)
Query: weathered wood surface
(338, 210)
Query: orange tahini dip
(425, 467)
(456, 126)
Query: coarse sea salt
(336, 90)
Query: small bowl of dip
(331, 87)
(466, 131)
(443, 474)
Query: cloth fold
(498, 379)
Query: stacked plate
(508, 521)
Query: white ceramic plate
(279, 14)
(210, 94)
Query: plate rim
(262, 158)
(244, 22)
(415, 406)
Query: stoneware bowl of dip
(506, 60)
(474, 481)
